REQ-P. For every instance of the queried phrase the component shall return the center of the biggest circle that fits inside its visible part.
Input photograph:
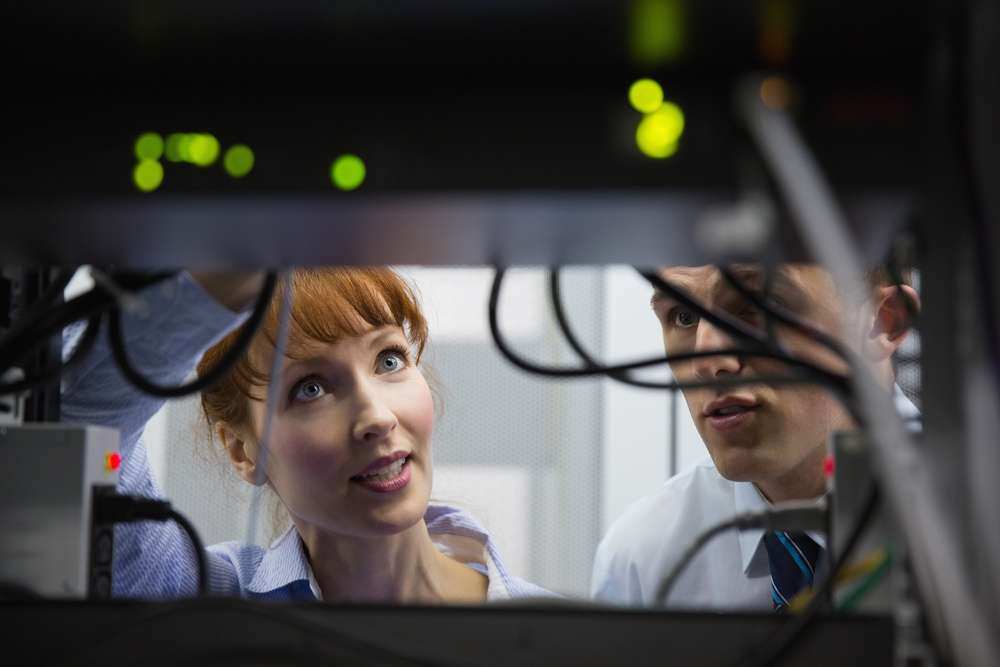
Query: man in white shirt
(767, 443)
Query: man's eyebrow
(754, 278)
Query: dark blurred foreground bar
(222, 632)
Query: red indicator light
(112, 461)
(828, 466)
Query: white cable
(273, 386)
(914, 498)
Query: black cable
(16, 344)
(794, 629)
(199, 549)
(119, 508)
(730, 325)
(87, 340)
(43, 323)
(13, 591)
(555, 294)
(841, 385)
(53, 294)
(775, 311)
(794, 516)
(616, 372)
(229, 359)
(808, 373)
(772, 334)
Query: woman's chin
(392, 521)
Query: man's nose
(374, 420)
(710, 337)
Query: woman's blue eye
(308, 390)
(683, 318)
(391, 361)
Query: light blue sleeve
(164, 342)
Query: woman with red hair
(344, 442)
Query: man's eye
(307, 390)
(391, 361)
(683, 318)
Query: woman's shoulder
(278, 571)
(457, 533)
(233, 565)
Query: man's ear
(241, 451)
(891, 320)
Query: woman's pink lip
(382, 462)
(730, 422)
(388, 485)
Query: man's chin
(739, 465)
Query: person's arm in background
(183, 317)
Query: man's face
(773, 435)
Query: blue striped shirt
(155, 560)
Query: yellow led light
(238, 160)
(659, 132)
(347, 172)
(147, 175)
(645, 95)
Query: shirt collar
(908, 412)
(283, 565)
(748, 498)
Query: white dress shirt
(730, 572)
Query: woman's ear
(241, 451)
(892, 305)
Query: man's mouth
(730, 412)
(729, 405)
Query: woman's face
(350, 445)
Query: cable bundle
(49, 316)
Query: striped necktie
(792, 556)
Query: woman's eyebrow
(382, 336)
(300, 364)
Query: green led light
(202, 149)
(645, 95)
(147, 175)
(238, 160)
(656, 33)
(172, 148)
(658, 133)
(149, 146)
(347, 172)
(184, 146)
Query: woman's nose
(374, 419)
(709, 337)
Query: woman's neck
(401, 568)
